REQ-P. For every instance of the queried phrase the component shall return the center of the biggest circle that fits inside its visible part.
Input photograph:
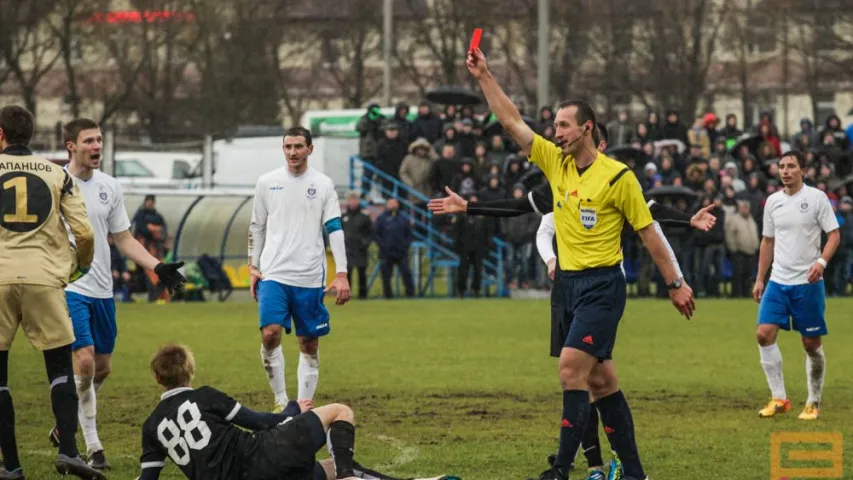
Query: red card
(475, 40)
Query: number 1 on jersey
(21, 203)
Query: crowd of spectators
(686, 164)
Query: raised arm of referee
(35, 265)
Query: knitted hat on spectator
(651, 166)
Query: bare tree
(438, 34)
(29, 50)
(74, 33)
(348, 45)
(680, 39)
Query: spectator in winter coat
(731, 132)
(519, 233)
(369, 128)
(394, 236)
(466, 182)
(358, 235)
(417, 166)
(620, 130)
(401, 112)
(427, 124)
(497, 150)
(513, 173)
(390, 153)
(742, 238)
(444, 169)
(833, 125)
(471, 239)
(698, 135)
(466, 140)
(674, 129)
(765, 131)
(449, 137)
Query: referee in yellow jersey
(593, 196)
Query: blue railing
(435, 245)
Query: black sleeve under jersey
(668, 215)
(542, 199)
(255, 421)
(511, 207)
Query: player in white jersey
(287, 262)
(794, 219)
(90, 299)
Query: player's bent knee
(344, 413)
(84, 363)
(271, 336)
(766, 335)
(811, 344)
(309, 345)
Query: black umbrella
(752, 142)
(672, 191)
(453, 95)
(495, 128)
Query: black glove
(170, 276)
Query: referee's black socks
(63, 397)
(591, 444)
(342, 447)
(576, 408)
(619, 427)
(8, 443)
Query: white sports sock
(86, 395)
(815, 373)
(308, 374)
(87, 413)
(273, 361)
(771, 362)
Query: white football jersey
(106, 211)
(796, 222)
(291, 212)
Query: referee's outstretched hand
(683, 300)
(452, 203)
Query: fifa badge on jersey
(589, 217)
(312, 192)
(804, 207)
(102, 195)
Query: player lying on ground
(540, 200)
(287, 262)
(36, 261)
(794, 219)
(198, 430)
(90, 299)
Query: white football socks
(308, 374)
(87, 412)
(273, 361)
(815, 373)
(771, 362)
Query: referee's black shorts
(589, 309)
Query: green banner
(343, 125)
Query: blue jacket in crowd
(393, 234)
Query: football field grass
(467, 387)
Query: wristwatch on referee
(675, 285)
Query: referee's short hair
(584, 114)
(801, 159)
(17, 124)
(299, 132)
